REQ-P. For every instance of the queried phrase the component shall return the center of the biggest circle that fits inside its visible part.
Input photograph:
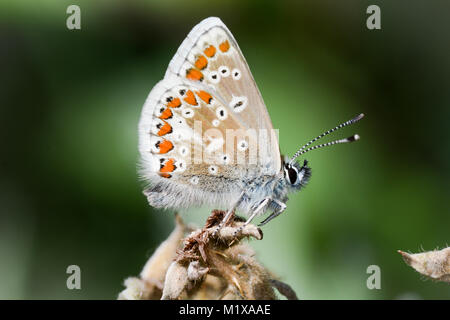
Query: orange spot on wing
(169, 166)
(166, 114)
(190, 98)
(165, 175)
(224, 46)
(165, 129)
(175, 103)
(210, 51)
(205, 96)
(165, 146)
(201, 63)
(193, 74)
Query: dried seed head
(210, 265)
(176, 281)
(135, 289)
(195, 271)
(434, 264)
(155, 269)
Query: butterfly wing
(210, 55)
(207, 91)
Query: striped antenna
(342, 125)
(346, 140)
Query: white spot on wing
(225, 159)
(238, 103)
(224, 71)
(213, 170)
(181, 165)
(183, 151)
(188, 113)
(236, 74)
(194, 180)
(242, 145)
(221, 113)
(214, 77)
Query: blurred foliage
(71, 100)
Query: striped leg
(228, 215)
(258, 209)
(276, 213)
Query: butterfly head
(296, 176)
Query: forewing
(211, 57)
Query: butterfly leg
(276, 213)
(228, 215)
(255, 212)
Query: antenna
(342, 125)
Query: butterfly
(206, 138)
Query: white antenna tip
(354, 137)
(358, 117)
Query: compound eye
(292, 173)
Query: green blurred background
(71, 100)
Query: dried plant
(433, 264)
(206, 265)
